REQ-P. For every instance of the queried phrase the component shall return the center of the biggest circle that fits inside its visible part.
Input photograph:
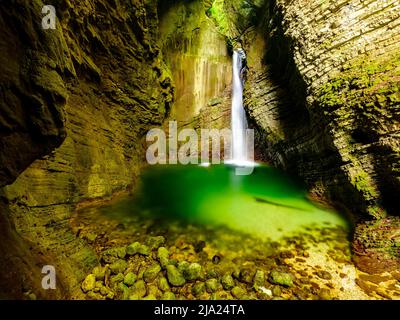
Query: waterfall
(238, 116)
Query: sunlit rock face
(197, 55)
(323, 89)
(97, 81)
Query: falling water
(239, 123)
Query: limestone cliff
(99, 80)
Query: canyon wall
(322, 89)
(92, 88)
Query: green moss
(218, 14)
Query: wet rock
(212, 285)
(238, 292)
(281, 278)
(227, 282)
(152, 289)
(117, 278)
(133, 248)
(163, 284)
(144, 250)
(150, 297)
(168, 296)
(89, 283)
(113, 254)
(163, 256)
(198, 289)
(151, 272)
(183, 266)
(118, 266)
(246, 275)
(276, 291)
(139, 289)
(155, 242)
(99, 272)
(130, 278)
(325, 294)
(259, 279)
(324, 275)
(175, 277)
(192, 272)
(123, 291)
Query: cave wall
(93, 87)
(197, 55)
(322, 90)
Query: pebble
(175, 277)
(227, 281)
(212, 285)
(238, 292)
(198, 289)
(99, 272)
(163, 284)
(155, 242)
(139, 288)
(112, 254)
(151, 272)
(117, 278)
(168, 296)
(192, 272)
(133, 248)
(130, 278)
(324, 275)
(89, 283)
(163, 256)
(118, 266)
(281, 278)
(259, 279)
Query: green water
(267, 203)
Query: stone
(212, 285)
(163, 284)
(144, 250)
(89, 283)
(133, 248)
(192, 272)
(324, 275)
(113, 254)
(117, 278)
(99, 272)
(139, 288)
(168, 296)
(238, 292)
(118, 266)
(227, 281)
(281, 278)
(130, 278)
(155, 242)
(151, 272)
(259, 279)
(174, 276)
(198, 289)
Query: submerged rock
(281, 278)
(175, 277)
(151, 272)
(130, 278)
(227, 281)
(89, 283)
(212, 285)
(168, 296)
(198, 289)
(118, 266)
(192, 272)
(155, 242)
(99, 272)
(163, 284)
(163, 256)
(112, 254)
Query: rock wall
(100, 81)
(197, 55)
(323, 90)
